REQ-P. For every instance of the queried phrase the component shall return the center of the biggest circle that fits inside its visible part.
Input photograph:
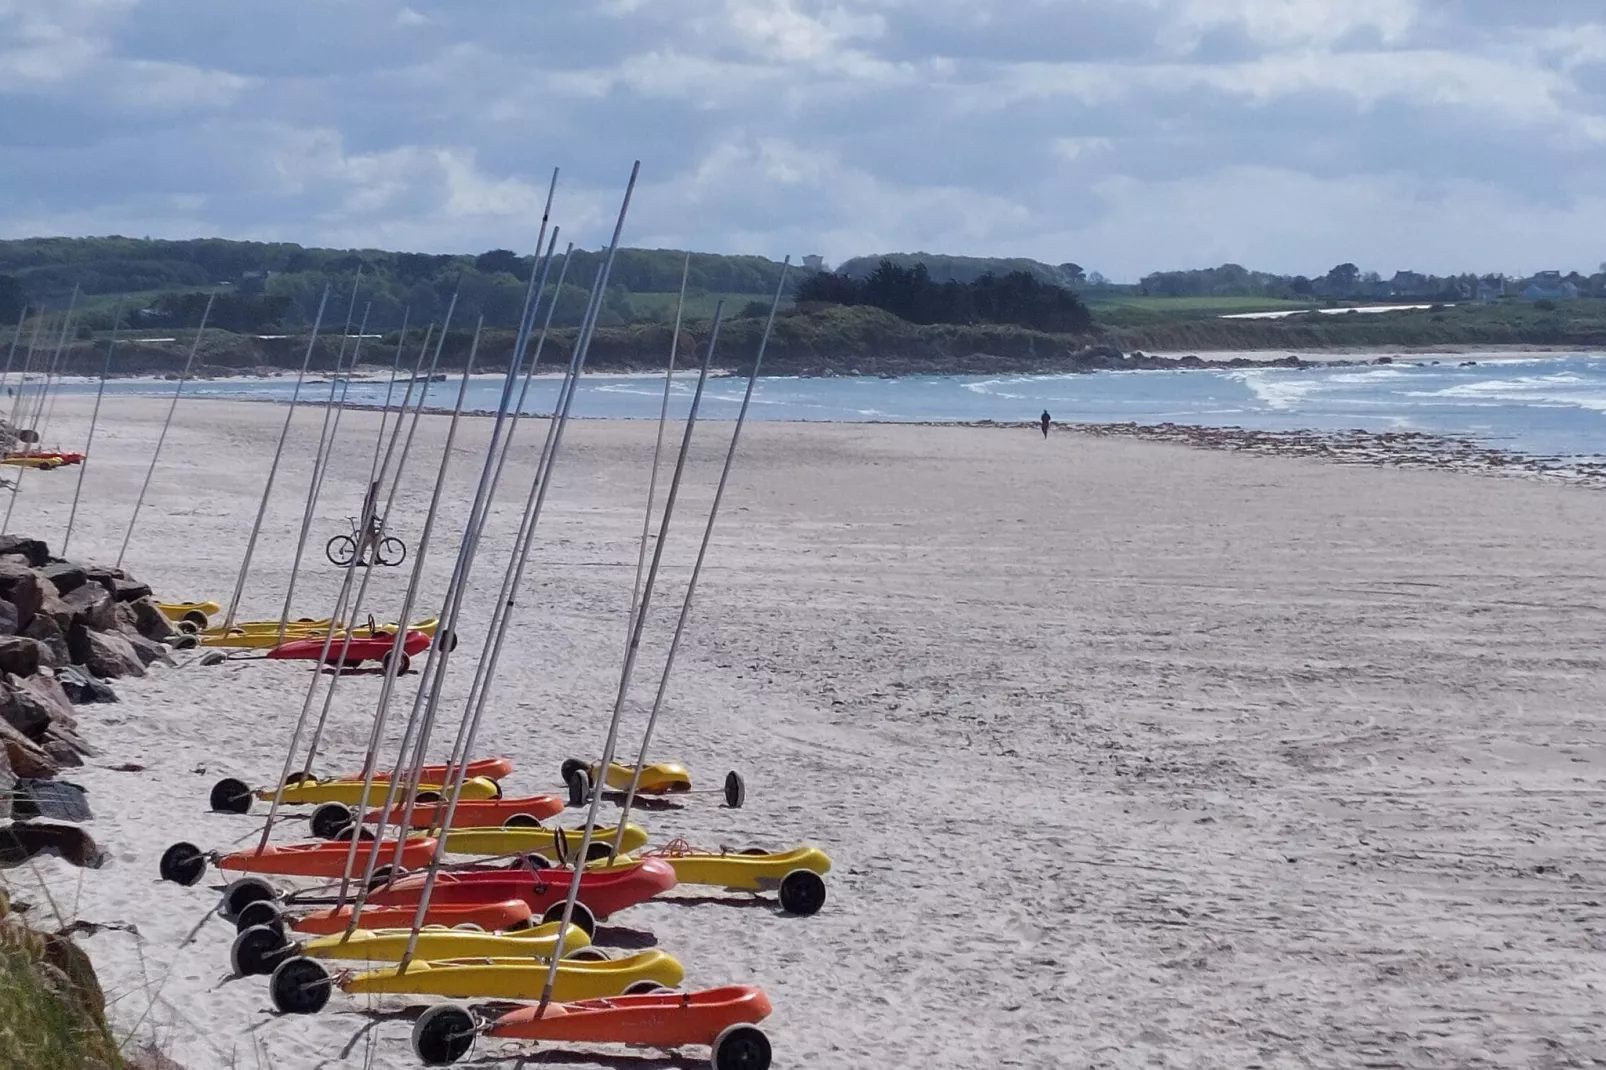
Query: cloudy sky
(1126, 135)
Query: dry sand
(1127, 754)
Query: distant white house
(813, 262)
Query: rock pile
(65, 628)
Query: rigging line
(480, 670)
(582, 346)
(472, 536)
(697, 568)
(381, 524)
(161, 439)
(326, 444)
(339, 612)
(61, 372)
(444, 638)
(94, 420)
(27, 366)
(631, 653)
(301, 724)
(539, 484)
(53, 370)
(657, 452)
(273, 469)
(16, 336)
(33, 419)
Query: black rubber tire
(522, 821)
(184, 641)
(300, 986)
(752, 851)
(582, 917)
(802, 892)
(741, 1047)
(735, 790)
(469, 927)
(382, 876)
(363, 833)
(443, 1034)
(446, 640)
(586, 954)
(245, 891)
(579, 783)
(230, 796)
(262, 913)
(598, 851)
(498, 793)
(183, 863)
(340, 550)
(568, 768)
(643, 987)
(185, 627)
(299, 778)
(257, 951)
(329, 819)
(390, 552)
(428, 797)
(198, 619)
(403, 667)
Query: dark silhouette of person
(1045, 420)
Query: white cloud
(1127, 135)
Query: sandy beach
(1127, 754)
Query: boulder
(83, 688)
(8, 618)
(130, 590)
(52, 605)
(66, 576)
(62, 752)
(22, 587)
(48, 632)
(48, 690)
(92, 607)
(146, 618)
(19, 843)
(24, 711)
(27, 758)
(20, 655)
(37, 553)
(109, 655)
(148, 652)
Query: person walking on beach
(1045, 420)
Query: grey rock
(147, 619)
(20, 655)
(48, 632)
(18, 843)
(129, 590)
(8, 783)
(67, 576)
(82, 688)
(47, 690)
(109, 655)
(27, 758)
(92, 607)
(23, 710)
(64, 754)
(148, 651)
(22, 587)
(8, 618)
(37, 553)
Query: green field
(699, 306)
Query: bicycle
(341, 549)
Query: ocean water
(1539, 406)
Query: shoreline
(1355, 446)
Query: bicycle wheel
(340, 550)
(391, 551)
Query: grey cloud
(1124, 134)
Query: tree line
(910, 293)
